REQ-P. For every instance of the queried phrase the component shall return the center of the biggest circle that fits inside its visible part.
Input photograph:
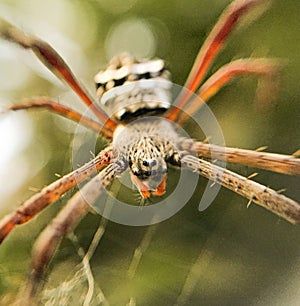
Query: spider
(145, 147)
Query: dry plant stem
(52, 192)
(280, 163)
(261, 67)
(211, 47)
(65, 222)
(255, 192)
(46, 103)
(86, 257)
(57, 65)
(141, 250)
(86, 264)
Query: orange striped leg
(210, 49)
(267, 69)
(286, 164)
(53, 61)
(52, 192)
(45, 103)
(65, 222)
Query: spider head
(148, 174)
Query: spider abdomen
(129, 88)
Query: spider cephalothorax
(148, 144)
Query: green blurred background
(226, 255)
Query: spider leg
(286, 164)
(255, 192)
(46, 103)
(210, 49)
(65, 222)
(53, 61)
(52, 192)
(256, 66)
(266, 69)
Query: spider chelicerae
(143, 138)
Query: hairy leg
(266, 69)
(255, 192)
(57, 65)
(287, 164)
(65, 222)
(46, 103)
(52, 192)
(211, 48)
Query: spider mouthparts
(145, 190)
(161, 188)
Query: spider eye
(153, 162)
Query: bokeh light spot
(132, 35)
